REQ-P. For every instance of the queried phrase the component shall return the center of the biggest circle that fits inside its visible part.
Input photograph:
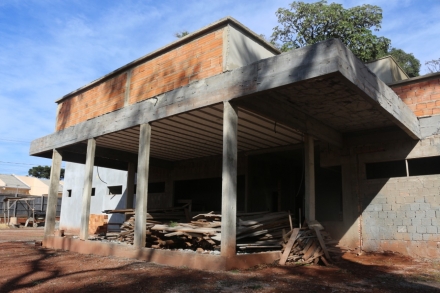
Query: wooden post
(87, 189)
(131, 172)
(142, 186)
(229, 181)
(52, 198)
(309, 153)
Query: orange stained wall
(195, 60)
(423, 98)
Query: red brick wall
(422, 97)
(195, 60)
(105, 97)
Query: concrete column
(52, 198)
(142, 186)
(309, 158)
(131, 172)
(87, 189)
(229, 181)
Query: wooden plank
(288, 247)
(321, 242)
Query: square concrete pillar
(309, 178)
(229, 181)
(142, 186)
(52, 198)
(87, 189)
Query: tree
(43, 172)
(433, 65)
(306, 24)
(409, 63)
(181, 34)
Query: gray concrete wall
(400, 214)
(74, 180)
(387, 70)
(241, 49)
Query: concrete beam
(87, 189)
(376, 92)
(229, 181)
(285, 113)
(309, 178)
(142, 186)
(52, 198)
(297, 65)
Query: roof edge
(415, 79)
(219, 23)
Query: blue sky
(50, 48)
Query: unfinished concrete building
(221, 109)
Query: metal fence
(21, 209)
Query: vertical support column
(247, 184)
(52, 198)
(142, 186)
(87, 189)
(309, 158)
(229, 181)
(131, 172)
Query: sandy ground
(25, 267)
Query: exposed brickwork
(192, 61)
(105, 97)
(423, 97)
(98, 224)
(403, 215)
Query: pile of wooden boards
(164, 215)
(257, 231)
(310, 244)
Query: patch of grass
(235, 271)
(173, 224)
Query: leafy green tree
(181, 34)
(409, 63)
(433, 65)
(305, 24)
(43, 172)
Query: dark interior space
(328, 193)
(206, 194)
(386, 169)
(424, 166)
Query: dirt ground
(27, 268)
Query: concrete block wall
(423, 98)
(403, 215)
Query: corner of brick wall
(423, 98)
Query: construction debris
(255, 232)
(311, 244)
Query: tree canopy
(308, 23)
(43, 172)
(433, 65)
(181, 34)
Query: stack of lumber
(164, 215)
(258, 231)
(307, 245)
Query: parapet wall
(423, 97)
(193, 60)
